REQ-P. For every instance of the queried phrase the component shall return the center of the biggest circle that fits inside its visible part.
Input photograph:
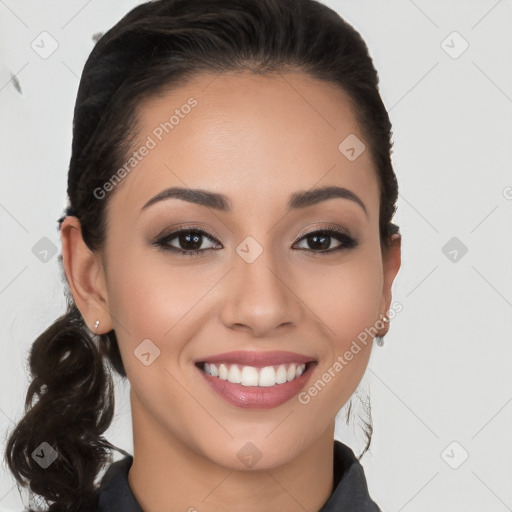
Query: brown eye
(320, 241)
(189, 241)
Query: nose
(260, 297)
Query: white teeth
(281, 375)
(223, 371)
(251, 376)
(234, 374)
(267, 376)
(291, 372)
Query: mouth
(246, 375)
(245, 379)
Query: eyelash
(163, 243)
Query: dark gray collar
(350, 487)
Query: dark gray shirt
(350, 487)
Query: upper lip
(257, 359)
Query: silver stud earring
(379, 340)
(96, 325)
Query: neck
(168, 476)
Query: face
(259, 276)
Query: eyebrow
(220, 202)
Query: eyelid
(309, 230)
(190, 227)
(212, 234)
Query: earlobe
(85, 276)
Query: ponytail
(58, 447)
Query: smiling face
(265, 279)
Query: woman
(228, 247)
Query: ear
(391, 261)
(85, 276)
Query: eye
(188, 240)
(320, 241)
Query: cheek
(347, 303)
(346, 298)
(149, 297)
(150, 301)
(153, 299)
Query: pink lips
(257, 359)
(257, 397)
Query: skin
(257, 140)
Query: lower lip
(258, 397)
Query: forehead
(247, 136)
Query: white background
(444, 374)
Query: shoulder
(114, 493)
(350, 487)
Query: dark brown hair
(159, 45)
